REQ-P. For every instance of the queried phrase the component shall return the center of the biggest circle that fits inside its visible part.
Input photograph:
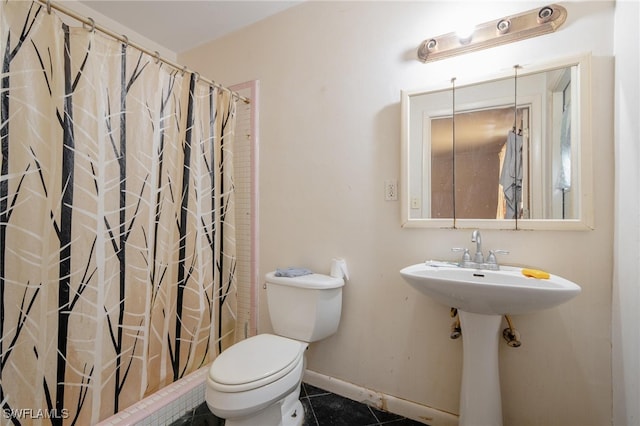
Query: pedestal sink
(482, 297)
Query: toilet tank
(305, 308)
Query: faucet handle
(466, 256)
(491, 259)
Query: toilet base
(286, 412)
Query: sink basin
(506, 291)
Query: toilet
(256, 382)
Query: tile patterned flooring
(321, 408)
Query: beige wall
(331, 75)
(626, 295)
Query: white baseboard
(403, 407)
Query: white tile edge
(172, 394)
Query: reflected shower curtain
(117, 240)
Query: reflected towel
(511, 174)
(564, 176)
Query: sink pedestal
(480, 401)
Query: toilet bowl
(242, 384)
(256, 382)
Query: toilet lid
(263, 358)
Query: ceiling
(180, 25)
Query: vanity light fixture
(524, 25)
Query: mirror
(509, 152)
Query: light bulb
(465, 34)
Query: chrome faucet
(476, 238)
(479, 262)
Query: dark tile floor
(321, 408)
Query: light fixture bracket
(524, 25)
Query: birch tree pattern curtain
(117, 238)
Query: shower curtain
(117, 237)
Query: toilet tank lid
(312, 281)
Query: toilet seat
(255, 362)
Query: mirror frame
(584, 163)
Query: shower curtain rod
(123, 38)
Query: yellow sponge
(535, 273)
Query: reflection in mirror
(481, 171)
(550, 181)
(425, 112)
(441, 168)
